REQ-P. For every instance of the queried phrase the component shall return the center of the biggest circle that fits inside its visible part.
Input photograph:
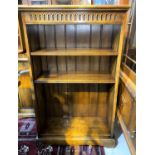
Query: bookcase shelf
(75, 78)
(74, 52)
(77, 128)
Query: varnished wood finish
(75, 84)
(120, 49)
(127, 107)
(130, 46)
(131, 75)
(39, 120)
(75, 78)
(74, 52)
(128, 84)
(127, 88)
(127, 101)
(104, 141)
(119, 8)
(21, 43)
(77, 131)
(76, 126)
(25, 106)
(126, 134)
(24, 90)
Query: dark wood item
(25, 105)
(75, 55)
(21, 43)
(129, 55)
(127, 106)
(127, 88)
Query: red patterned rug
(29, 146)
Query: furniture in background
(25, 102)
(129, 54)
(21, 43)
(127, 106)
(25, 105)
(127, 88)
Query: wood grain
(74, 52)
(78, 130)
(75, 78)
(126, 134)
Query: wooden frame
(25, 106)
(21, 43)
(126, 112)
(51, 15)
(130, 38)
(126, 134)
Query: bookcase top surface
(120, 8)
(74, 14)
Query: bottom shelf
(77, 131)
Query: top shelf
(74, 52)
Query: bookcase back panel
(73, 36)
(64, 65)
(74, 100)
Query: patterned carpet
(28, 146)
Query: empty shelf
(76, 127)
(74, 52)
(76, 131)
(75, 78)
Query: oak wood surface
(76, 126)
(120, 49)
(24, 90)
(126, 134)
(21, 43)
(131, 74)
(76, 141)
(76, 131)
(75, 78)
(127, 107)
(74, 52)
(129, 84)
(122, 8)
(127, 98)
(127, 88)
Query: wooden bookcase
(75, 54)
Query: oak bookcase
(75, 54)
